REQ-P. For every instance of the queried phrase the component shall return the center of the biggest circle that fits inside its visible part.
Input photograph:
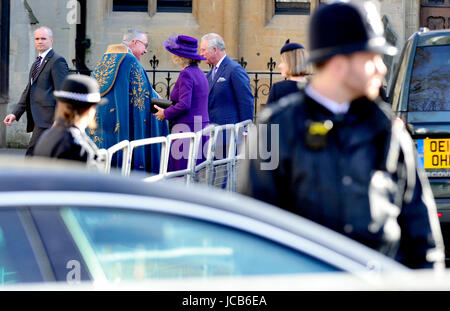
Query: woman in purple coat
(190, 95)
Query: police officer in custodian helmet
(77, 103)
(343, 159)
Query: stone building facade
(252, 29)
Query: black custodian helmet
(345, 27)
(80, 90)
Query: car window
(18, 263)
(396, 84)
(430, 83)
(149, 245)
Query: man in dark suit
(46, 75)
(230, 97)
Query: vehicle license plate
(433, 153)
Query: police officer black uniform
(67, 139)
(344, 160)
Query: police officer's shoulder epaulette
(280, 106)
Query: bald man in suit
(46, 75)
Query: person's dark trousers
(37, 132)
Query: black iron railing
(163, 80)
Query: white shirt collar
(334, 107)
(220, 61)
(45, 53)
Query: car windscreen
(430, 84)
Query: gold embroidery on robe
(98, 140)
(108, 67)
(116, 48)
(105, 68)
(138, 93)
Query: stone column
(412, 17)
(231, 27)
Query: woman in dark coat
(292, 61)
(190, 95)
(76, 107)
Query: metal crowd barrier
(187, 172)
(143, 142)
(202, 172)
(222, 168)
(121, 146)
(213, 171)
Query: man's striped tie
(214, 73)
(36, 66)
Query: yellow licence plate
(436, 153)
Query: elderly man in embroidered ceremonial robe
(124, 82)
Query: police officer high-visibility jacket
(354, 173)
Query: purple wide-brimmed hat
(183, 46)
